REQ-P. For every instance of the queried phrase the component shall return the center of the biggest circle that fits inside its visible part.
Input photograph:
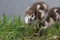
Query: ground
(15, 29)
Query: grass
(15, 29)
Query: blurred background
(18, 7)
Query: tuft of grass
(15, 29)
